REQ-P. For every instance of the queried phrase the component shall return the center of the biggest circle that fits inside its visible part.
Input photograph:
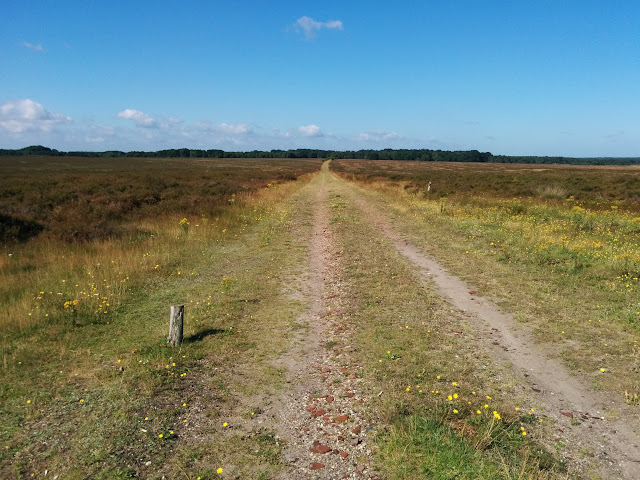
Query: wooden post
(176, 321)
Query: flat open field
(342, 320)
(74, 198)
(597, 186)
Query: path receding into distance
(321, 414)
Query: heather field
(342, 318)
(598, 187)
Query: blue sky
(530, 78)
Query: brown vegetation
(597, 186)
(80, 199)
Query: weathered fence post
(176, 321)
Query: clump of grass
(421, 446)
(552, 192)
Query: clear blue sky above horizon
(519, 78)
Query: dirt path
(578, 411)
(321, 414)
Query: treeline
(566, 160)
(420, 155)
(386, 154)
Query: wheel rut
(562, 396)
(321, 415)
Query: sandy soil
(578, 411)
(321, 415)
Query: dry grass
(425, 375)
(104, 229)
(88, 393)
(569, 271)
(92, 390)
(80, 199)
(552, 191)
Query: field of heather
(341, 318)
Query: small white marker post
(176, 322)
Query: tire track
(321, 415)
(614, 444)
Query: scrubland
(95, 250)
(88, 386)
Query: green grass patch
(425, 447)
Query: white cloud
(25, 122)
(309, 26)
(99, 134)
(379, 136)
(174, 121)
(139, 118)
(234, 129)
(310, 131)
(224, 128)
(18, 116)
(34, 47)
